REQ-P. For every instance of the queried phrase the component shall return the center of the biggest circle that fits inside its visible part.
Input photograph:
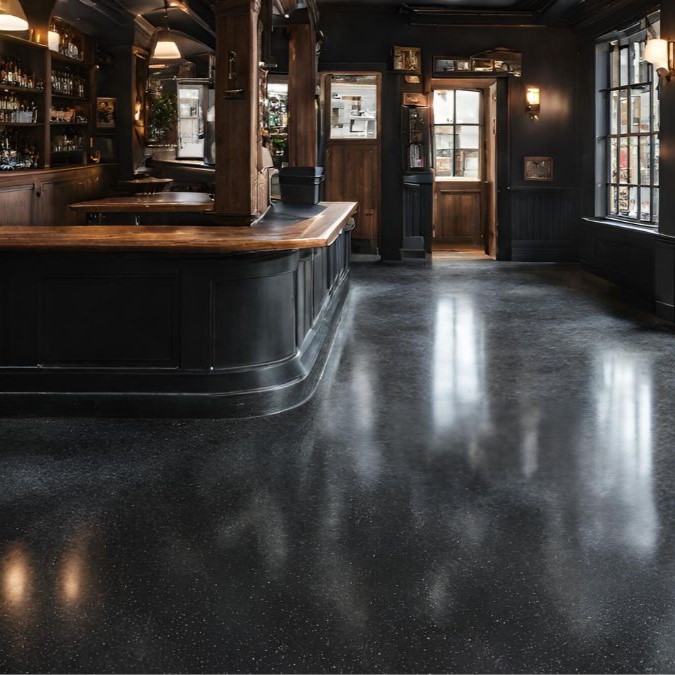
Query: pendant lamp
(165, 48)
(12, 17)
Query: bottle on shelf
(17, 152)
(67, 42)
(13, 73)
(15, 111)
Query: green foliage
(162, 116)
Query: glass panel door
(190, 121)
(353, 106)
(458, 134)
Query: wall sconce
(137, 111)
(533, 98)
(660, 54)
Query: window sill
(623, 225)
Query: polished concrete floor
(484, 482)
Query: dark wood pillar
(302, 79)
(241, 183)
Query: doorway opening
(464, 126)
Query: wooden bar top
(285, 227)
(161, 202)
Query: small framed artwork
(482, 65)
(408, 59)
(106, 112)
(412, 79)
(539, 168)
(415, 100)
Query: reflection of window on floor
(457, 133)
(631, 131)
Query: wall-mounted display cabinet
(47, 94)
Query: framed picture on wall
(539, 168)
(408, 59)
(106, 112)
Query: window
(457, 133)
(353, 106)
(631, 138)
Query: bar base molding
(145, 334)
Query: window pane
(353, 107)
(645, 204)
(614, 65)
(614, 113)
(623, 112)
(633, 202)
(635, 70)
(613, 165)
(656, 112)
(645, 160)
(623, 66)
(612, 200)
(468, 137)
(444, 107)
(468, 107)
(656, 160)
(623, 200)
(623, 160)
(636, 105)
(444, 146)
(655, 207)
(633, 176)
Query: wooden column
(241, 184)
(302, 78)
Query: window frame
(455, 124)
(610, 48)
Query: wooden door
(459, 213)
(353, 174)
(353, 150)
(460, 194)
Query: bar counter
(285, 227)
(171, 321)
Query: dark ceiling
(115, 21)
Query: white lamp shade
(12, 17)
(166, 50)
(656, 53)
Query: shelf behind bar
(56, 56)
(70, 97)
(19, 90)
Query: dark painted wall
(364, 39)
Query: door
(460, 194)
(191, 116)
(353, 149)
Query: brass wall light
(533, 99)
(660, 54)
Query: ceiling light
(12, 17)
(165, 48)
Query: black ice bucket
(301, 184)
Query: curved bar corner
(169, 322)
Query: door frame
(502, 147)
(327, 142)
